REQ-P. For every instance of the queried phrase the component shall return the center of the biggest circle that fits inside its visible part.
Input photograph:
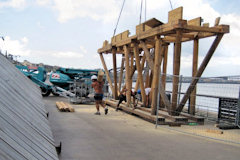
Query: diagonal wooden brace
(147, 53)
(199, 73)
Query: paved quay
(119, 136)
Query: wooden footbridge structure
(154, 36)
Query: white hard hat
(93, 77)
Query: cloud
(13, 4)
(43, 2)
(15, 47)
(94, 9)
(62, 58)
(40, 25)
(66, 55)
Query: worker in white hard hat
(98, 87)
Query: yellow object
(100, 75)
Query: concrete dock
(119, 136)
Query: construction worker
(122, 97)
(147, 93)
(98, 96)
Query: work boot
(97, 113)
(106, 111)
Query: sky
(68, 33)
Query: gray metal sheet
(24, 129)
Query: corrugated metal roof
(24, 128)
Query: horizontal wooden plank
(107, 48)
(217, 29)
(126, 41)
(214, 131)
(199, 120)
(140, 113)
(195, 22)
(166, 115)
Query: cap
(93, 77)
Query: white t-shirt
(147, 91)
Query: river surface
(204, 90)
(210, 89)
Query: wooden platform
(163, 117)
(164, 114)
(64, 107)
(145, 115)
(194, 118)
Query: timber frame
(155, 36)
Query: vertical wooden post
(127, 79)
(106, 71)
(165, 56)
(121, 74)
(176, 70)
(199, 72)
(115, 93)
(150, 79)
(139, 69)
(165, 66)
(194, 71)
(132, 60)
(147, 79)
(142, 66)
(156, 72)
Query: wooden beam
(205, 25)
(151, 78)
(156, 72)
(139, 69)
(106, 71)
(142, 66)
(147, 53)
(133, 71)
(138, 112)
(164, 29)
(115, 93)
(194, 71)
(176, 70)
(217, 21)
(106, 48)
(147, 78)
(164, 72)
(127, 72)
(132, 61)
(121, 74)
(199, 72)
(195, 21)
(165, 67)
(175, 14)
(215, 29)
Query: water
(212, 89)
(209, 104)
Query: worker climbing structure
(153, 37)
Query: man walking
(98, 87)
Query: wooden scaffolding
(153, 38)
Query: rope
(170, 4)
(119, 17)
(140, 12)
(145, 10)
